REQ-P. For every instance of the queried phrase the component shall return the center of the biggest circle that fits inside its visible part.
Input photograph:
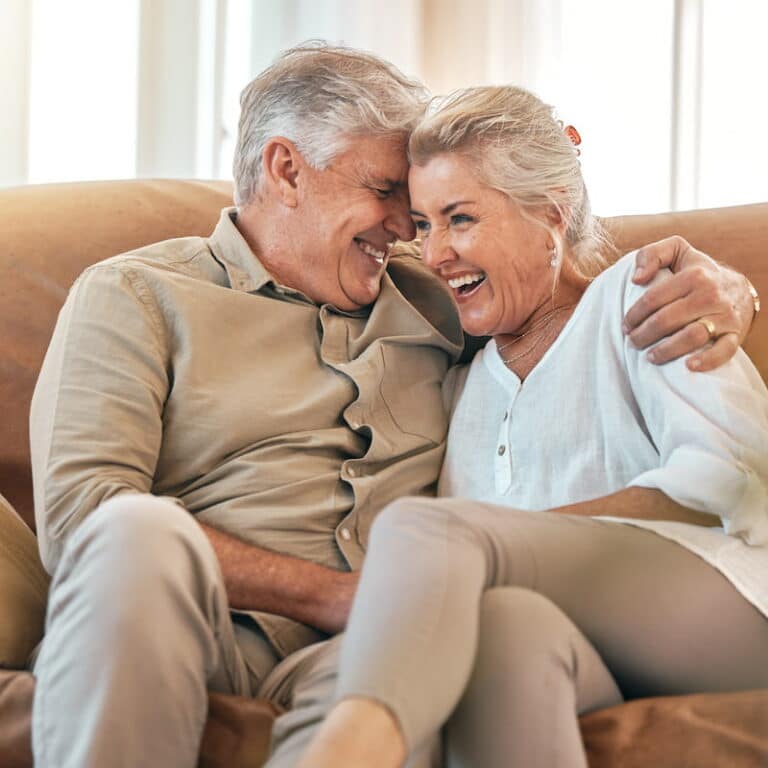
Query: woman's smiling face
(496, 261)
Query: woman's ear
(281, 164)
(558, 217)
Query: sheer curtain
(667, 94)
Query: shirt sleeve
(711, 432)
(453, 386)
(96, 416)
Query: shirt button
(351, 471)
(345, 534)
(502, 450)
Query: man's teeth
(457, 282)
(371, 251)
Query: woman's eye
(461, 218)
(422, 227)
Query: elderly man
(218, 421)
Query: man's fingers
(713, 357)
(651, 258)
(685, 341)
(672, 318)
(699, 290)
(663, 293)
(673, 303)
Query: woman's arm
(640, 504)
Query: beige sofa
(51, 233)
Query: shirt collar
(244, 269)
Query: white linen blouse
(595, 416)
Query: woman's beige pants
(504, 626)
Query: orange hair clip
(574, 136)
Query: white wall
(14, 91)
(82, 89)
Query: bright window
(734, 107)
(83, 89)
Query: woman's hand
(700, 289)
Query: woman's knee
(527, 640)
(520, 626)
(421, 515)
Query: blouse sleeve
(711, 432)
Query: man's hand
(699, 289)
(258, 579)
(336, 615)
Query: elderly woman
(610, 535)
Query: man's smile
(378, 255)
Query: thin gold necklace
(541, 321)
(508, 360)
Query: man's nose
(399, 220)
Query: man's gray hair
(318, 96)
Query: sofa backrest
(52, 232)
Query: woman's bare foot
(356, 733)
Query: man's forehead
(381, 157)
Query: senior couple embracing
(225, 429)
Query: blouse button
(345, 534)
(502, 450)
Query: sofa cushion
(237, 732)
(16, 692)
(23, 590)
(724, 729)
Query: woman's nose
(436, 251)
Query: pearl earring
(553, 258)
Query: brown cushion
(23, 590)
(237, 733)
(725, 729)
(16, 692)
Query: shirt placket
(503, 460)
(334, 352)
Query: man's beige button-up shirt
(183, 370)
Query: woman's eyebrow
(444, 211)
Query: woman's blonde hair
(518, 147)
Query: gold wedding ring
(710, 326)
